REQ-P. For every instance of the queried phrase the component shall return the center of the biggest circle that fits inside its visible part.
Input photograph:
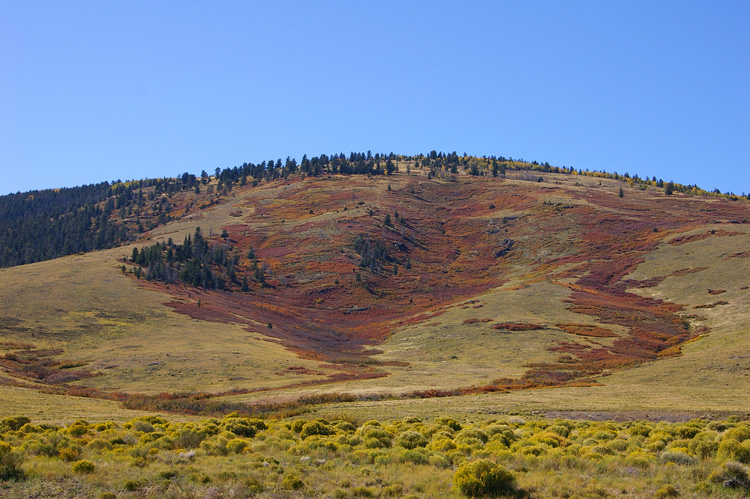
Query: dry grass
(84, 305)
(63, 409)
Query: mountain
(269, 287)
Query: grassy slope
(103, 318)
(84, 305)
(712, 374)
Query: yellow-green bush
(676, 457)
(732, 450)
(83, 467)
(10, 462)
(13, 423)
(293, 482)
(442, 444)
(666, 491)
(484, 478)
(237, 445)
(240, 427)
(411, 439)
(316, 427)
(449, 422)
(739, 433)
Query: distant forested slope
(46, 224)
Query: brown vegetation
(587, 330)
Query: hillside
(411, 292)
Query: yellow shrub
(483, 477)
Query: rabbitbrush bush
(10, 462)
(83, 467)
(483, 478)
(732, 475)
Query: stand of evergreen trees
(197, 262)
(45, 224)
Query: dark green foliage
(390, 167)
(373, 253)
(195, 262)
(46, 224)
(41, 225)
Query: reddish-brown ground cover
(445, 245)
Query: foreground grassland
(441, 457)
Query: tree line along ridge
(45, 224)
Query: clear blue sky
(101, 90)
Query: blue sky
(104, 90)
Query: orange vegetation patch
(586, 330)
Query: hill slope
(403, 285)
